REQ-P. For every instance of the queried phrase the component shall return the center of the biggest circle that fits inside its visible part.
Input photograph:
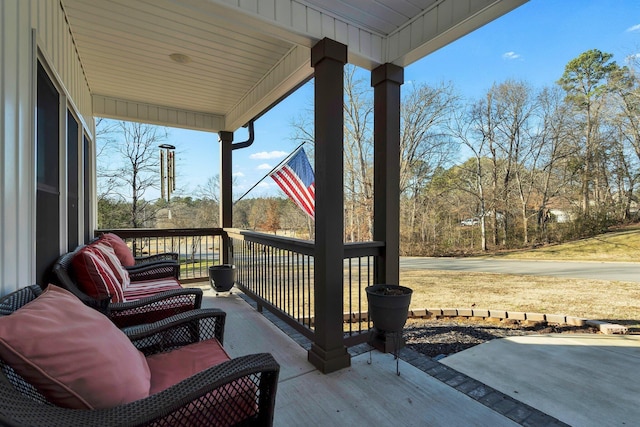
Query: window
(86, 153)
(48, 171)
(73, 170)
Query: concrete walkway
(363, 394)
(582, 380)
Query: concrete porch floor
(533, 380)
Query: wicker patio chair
(188, 403)
(144, 310)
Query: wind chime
(167, 173)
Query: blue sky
(532, 43)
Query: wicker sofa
(218, 391)
(130, 294)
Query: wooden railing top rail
(160, 232)
(356, 249)
(306, 247)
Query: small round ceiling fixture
(180, 58)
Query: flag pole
(271, 171)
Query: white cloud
(238, 174)
(264, 155)
(264, 166)
(510, 55)
(633, 29)
(264, 184)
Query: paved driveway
(622, 271)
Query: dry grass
(592, 299)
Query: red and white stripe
(293, 187)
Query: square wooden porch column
(386, 81)
(226, 182)
(328, 352)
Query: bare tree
(272, 220)
(209, 213)
(554, 118)
(358, 156)
(210, 190)
(470, 128)
(425, 143)
(107, 183)
(625, 85)
(132, 166)
(515, 104)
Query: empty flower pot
(222, 277)
(388, 306)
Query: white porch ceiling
(245, 54)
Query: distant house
(560, 216)
(560, 210)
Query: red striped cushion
(120, 247)
(109, 255)
(95, 277)
(147, 288)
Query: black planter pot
(222, 277)
(388, 306)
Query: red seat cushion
(74, 355)
(227, 405)
(94, 276)
(170, 368)
(120, 247)
(147, 288)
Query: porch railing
(197, 248)
(277, 272)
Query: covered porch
(214, 66)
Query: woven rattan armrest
(154, 270)
(167, 256)
(155, 307)
(159, 298)
(165, 408)
(178, 330)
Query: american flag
(295, 178)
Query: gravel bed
(438, 338)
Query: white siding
(17, 124)
(104, 106)
(305, 24)
(294, 67)
(16, 147)
(55, 41)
